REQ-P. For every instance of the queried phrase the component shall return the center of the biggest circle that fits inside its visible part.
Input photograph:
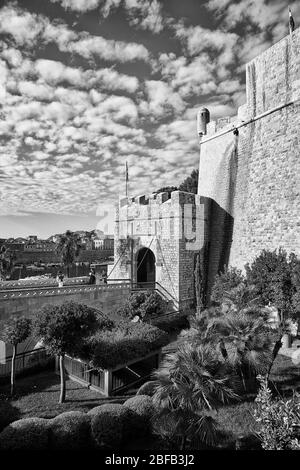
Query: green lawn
(38, 395)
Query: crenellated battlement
(157, 199)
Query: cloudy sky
(87, 84)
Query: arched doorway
(145, 268)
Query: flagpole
(126, 179)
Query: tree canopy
(62, 327)
(189, 185)
(68, 247)
(15, 330)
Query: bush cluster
(70, 431)
(25, 434)
(144, 305)
(278, 420)
(276, 277)
(273, 277)
(110, 424)
(128, 341)
(143, 409)
(174, 323)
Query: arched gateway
(145, 267)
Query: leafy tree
(63, 330)
(271, 274)
(68, 248)
(276, 277)
(14, 332)
(7, 261)
(190, 184)
(190, 384)
(278, 419)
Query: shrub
(274, 275)
(225, 282)
(148, 388)
(128, 341)
(8, 413)
(143, 409)
(25, 434)
(277, 420)
(70, 430)
(172, 323)
(110, 423)
(143, 304)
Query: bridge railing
(156, 286)
(44, 291)
(47, 282)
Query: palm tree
(244, 341)
(68, 248)
(7, 261)
(190, 384)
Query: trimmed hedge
(25, 434)
(143, 409)
(8, 413)
(128, 341)
(173, 323)
(70, 431)
(110, 424)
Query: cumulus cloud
(107, 49)
(269, 19)
(29, 29)
(147, 14)
(76, 106)
(25, 27)
(188, 77)
(144, 14)
(161, 99)
(198, 39)
(78, 5)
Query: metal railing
(156, 286)
(55, 290)
(48, 282)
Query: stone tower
(157, 239)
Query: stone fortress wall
(249, 188)
(264, 171)
(167, 225)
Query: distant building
(32, 238)
(39, 246)
(14, 245)
(106, 242)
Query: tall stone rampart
(261, 169)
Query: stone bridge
(16, 299)
(27, 301)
